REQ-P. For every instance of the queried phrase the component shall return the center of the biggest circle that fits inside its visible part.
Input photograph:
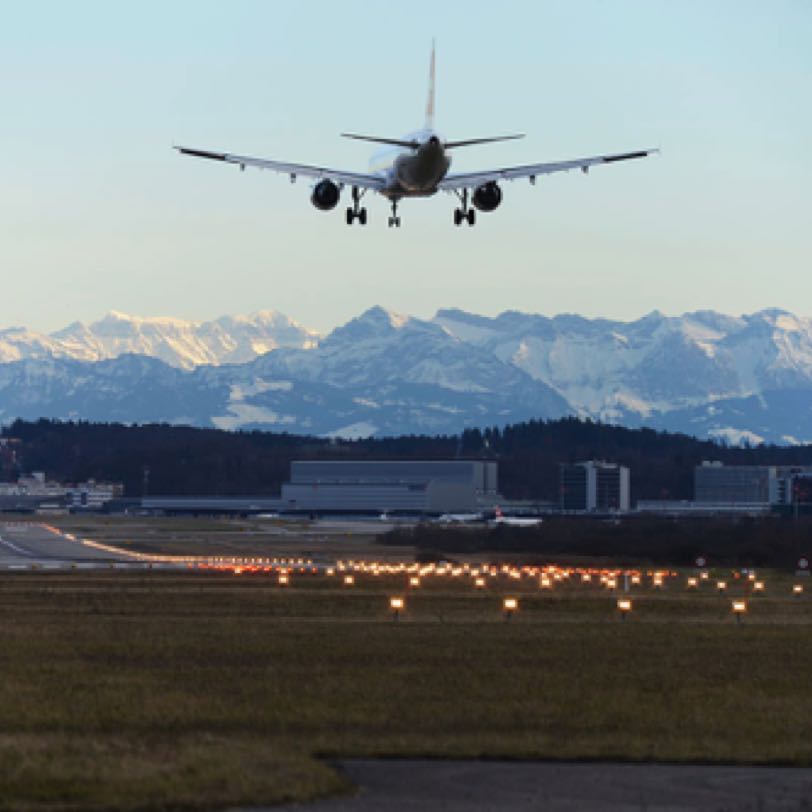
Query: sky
(98, 213)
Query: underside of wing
(338, 176)
(468, 180)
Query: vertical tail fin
(430, 101)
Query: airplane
(460, 518)
(514, 521)
(416, 165)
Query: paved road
(25, 545)
(454, 786)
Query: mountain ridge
(740, 378)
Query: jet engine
(325, 195)
(487, 197)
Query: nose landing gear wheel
(457, 217)
(394, 220)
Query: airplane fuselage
(413, 172)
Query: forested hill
(183, 460)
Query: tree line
(763, 541)
(161, 459)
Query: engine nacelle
(487, 197)
(325, 195)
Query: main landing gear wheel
(355, 212)
(465, 213)
(394, 220)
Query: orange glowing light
(624, 605)
(758, 586)
(739, 607)
(349, 580)
(510, 604)
(414, 581)
(479, 583)
(721, 585)
(396, 604)
(284, 580)
(797, 589)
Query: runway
(470, 786)
(25, 546)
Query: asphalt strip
(454, 786)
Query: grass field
(126, 690)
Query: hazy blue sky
(98, 213)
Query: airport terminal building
(594, 487)
(390, 486)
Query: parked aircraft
(514, 521)
(416, 165)
(460, 518)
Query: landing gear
(465, 212)
(355, 212)
(394, 220)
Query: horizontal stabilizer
(470, 142)
(395, 142)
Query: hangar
(390, 486)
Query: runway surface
(33, 546)
(476, 786)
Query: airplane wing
(360, 179)
(468, 180)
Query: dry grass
(160, 691)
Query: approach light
(721, 585)
(414, 581)
(479, 582)
(797, 589)
(739, 608)
(624, 606)
(349, 580)
(283, 579)
(509, 606)
(692, 583)
(396, 604)
(758, 586)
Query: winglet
(430, 101)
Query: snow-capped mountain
(378, 374)
(743, 378)
(692, 373)
(183, 344)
